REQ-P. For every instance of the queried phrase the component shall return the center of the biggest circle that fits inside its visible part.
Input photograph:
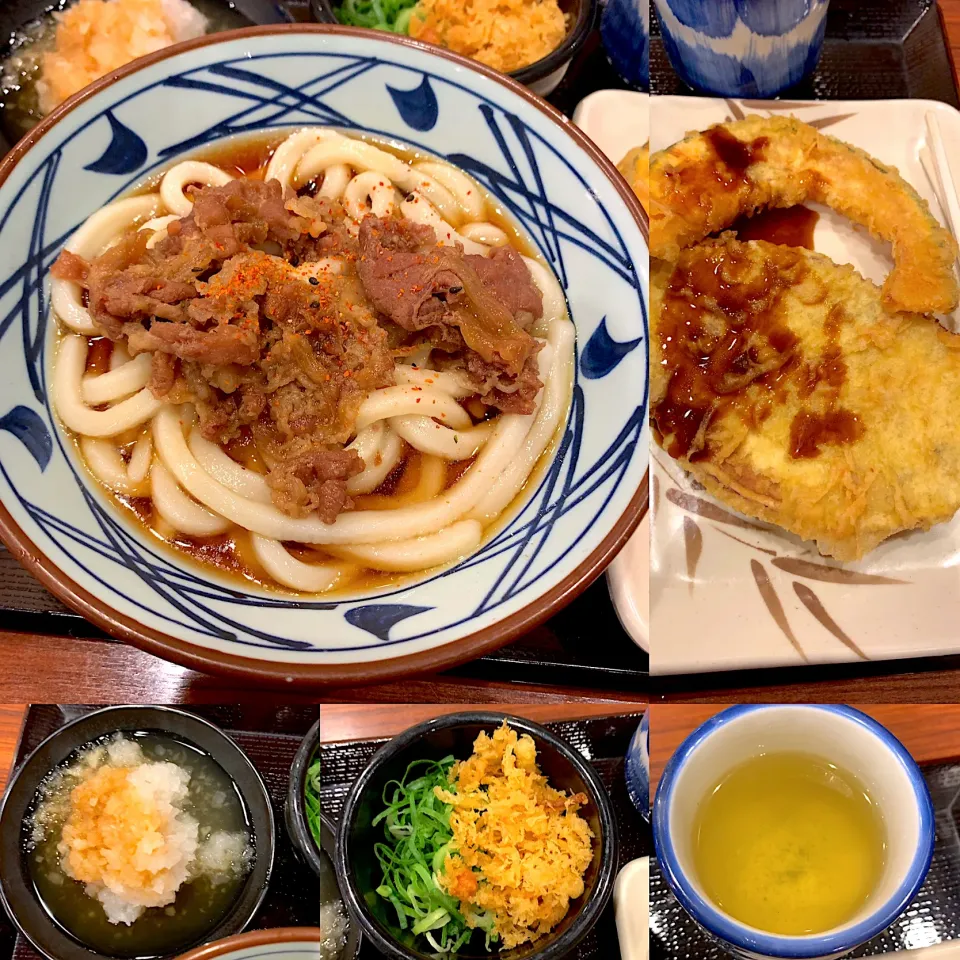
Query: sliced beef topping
(506, 275)
(419, 284)
(315, 481)
(278, 355)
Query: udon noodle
(341, 361)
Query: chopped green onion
(416, 827)
(392, 15)
(311, 796)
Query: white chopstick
(943, 176)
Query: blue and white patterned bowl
(742, 48)
(571, 201)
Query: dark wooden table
(931, 732)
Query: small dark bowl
(295, 815)
(359, 872)
(16, 887)
(294, 811)
(543, 76)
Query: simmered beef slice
(498, 388)
(314, 481)
(506, 275)
(420, 285)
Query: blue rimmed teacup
(742, 48)
(840, 734)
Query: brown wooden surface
(366, 721)
(931, 732)
(64, 670)
(11, 720)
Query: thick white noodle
(288, 155)
(405, 556)
(88, 242)
(489, 234)
(370, 192)
(404, 399)
(108, 466)
(417, 208)
(361, 526)
(366, 157)
(384, 458)
(291, 572)
(189, 171)
(118, 383)
(464, 190)
(428, 436)
(554, 397)
(159, 227)
(335, 180)
(448, 381)
(141, 458)
(179, 510)
(75, 414)
(224, 469)
(119, 355)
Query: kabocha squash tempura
(486, 844)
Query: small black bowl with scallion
(311, 833)
(395, 833)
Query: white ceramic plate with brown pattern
(727, 592)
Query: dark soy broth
(200, 905)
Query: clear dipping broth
(213, 801)
(789, 843)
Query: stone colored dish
(16, 888)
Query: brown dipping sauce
(727, 347)
(787, 226)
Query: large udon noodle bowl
(324, 355)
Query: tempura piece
(701, 184)
(522, 847)
(635, 167)
(782, 383)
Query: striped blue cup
(742, 48)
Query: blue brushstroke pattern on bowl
(637, 768)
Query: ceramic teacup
(840, 734)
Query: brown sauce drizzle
(726, 346)
(787, 226)
(735, 154)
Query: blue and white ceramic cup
(625, 32)
(844, 736)
(742, 48)
(637, 768)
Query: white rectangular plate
(617, 121)
(726, 595)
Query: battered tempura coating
(635, 167)
(783, 384)
(701, 184)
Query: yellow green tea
(789, 843)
